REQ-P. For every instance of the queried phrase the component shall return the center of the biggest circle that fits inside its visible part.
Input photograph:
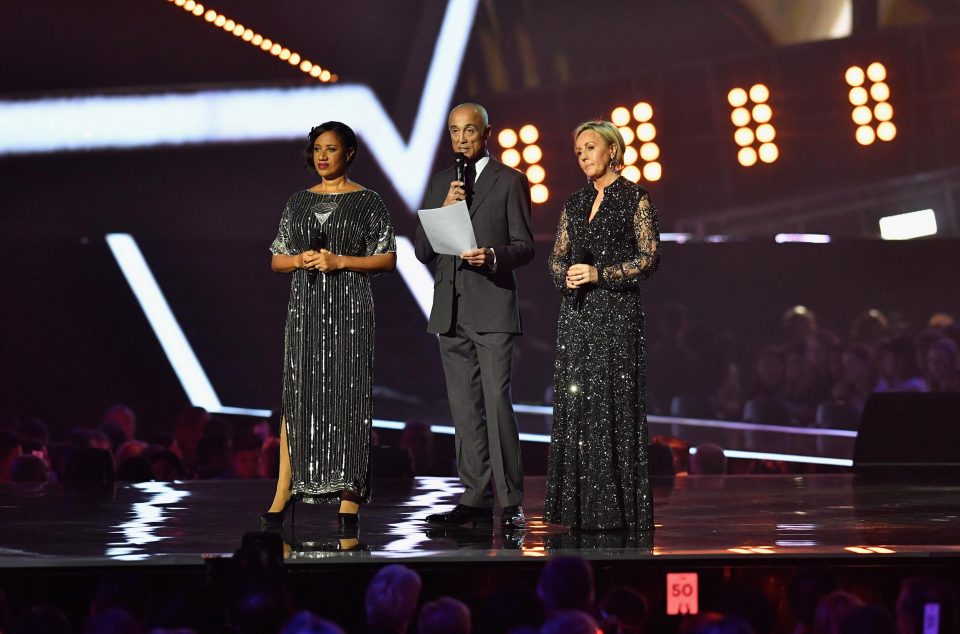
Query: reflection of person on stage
(331, 238)
(477, 317)
(607, 243)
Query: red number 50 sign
(682, 593)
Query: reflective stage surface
(706, 518)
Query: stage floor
(703, 518)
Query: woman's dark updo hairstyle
(346, 136)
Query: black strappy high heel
(274, 520)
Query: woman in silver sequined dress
(332, 237)
(607, 244)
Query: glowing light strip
(174, 342)
(783, 457)
(89, 123)
(546, 410)
(250, 36)
(415, 275)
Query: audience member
(166, 465)
(418, 439)
(681, 452)
(114, 433)
(943, 366)
(47, 619)
(306, 622)
(269, 466)
(708, 459)
(869, 328)
(832, 610)
(188, 430)
(897, 366)
(36, 438)
(806, 588)
(569, 622)
(214, 457)
(128, 449)
(30, 468)
(391, 599)
(246, 456)
(660, 461)
(10, 450)
(566, 583)
(920, 595)
(869, 619)
(623, 610)
(112, 621)
(446, 615)
(123, 416)
(135, 469)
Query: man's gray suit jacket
(500, 213)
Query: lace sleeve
(628, 275)
(559, 259)
(281, 244)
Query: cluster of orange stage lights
(256, 39)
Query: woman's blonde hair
(609, 133)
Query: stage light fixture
(652, 171)
(642, 112)
(646, 132)
(740, 117)
(859, 96)
(877, 72)
(759, 93)
(743, 137)
(248, 35)
(536, 174)
(737, 97)
(864, 113)
(766, 133)
(880, 92)
(886, 131)
(507, 138)
(620, 116)
(530, 153)
(751, 107)
(855, 76)
(762, 113)
(642, 136)
(529, 134)
(510, 157)
(914, 224)
(768, 152)
(631, 173)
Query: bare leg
(285, 476)
(349, 502)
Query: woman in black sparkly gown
(328, 345)
(597, 475)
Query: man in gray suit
(476, 315)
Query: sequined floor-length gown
(328, 344)
(597, 473)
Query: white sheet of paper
(449, 229)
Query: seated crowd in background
(812, 377)
(565, 600)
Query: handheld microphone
(460, 163)
(579, 255)
(318, 240)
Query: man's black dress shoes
(461, 514)
(512, 517)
